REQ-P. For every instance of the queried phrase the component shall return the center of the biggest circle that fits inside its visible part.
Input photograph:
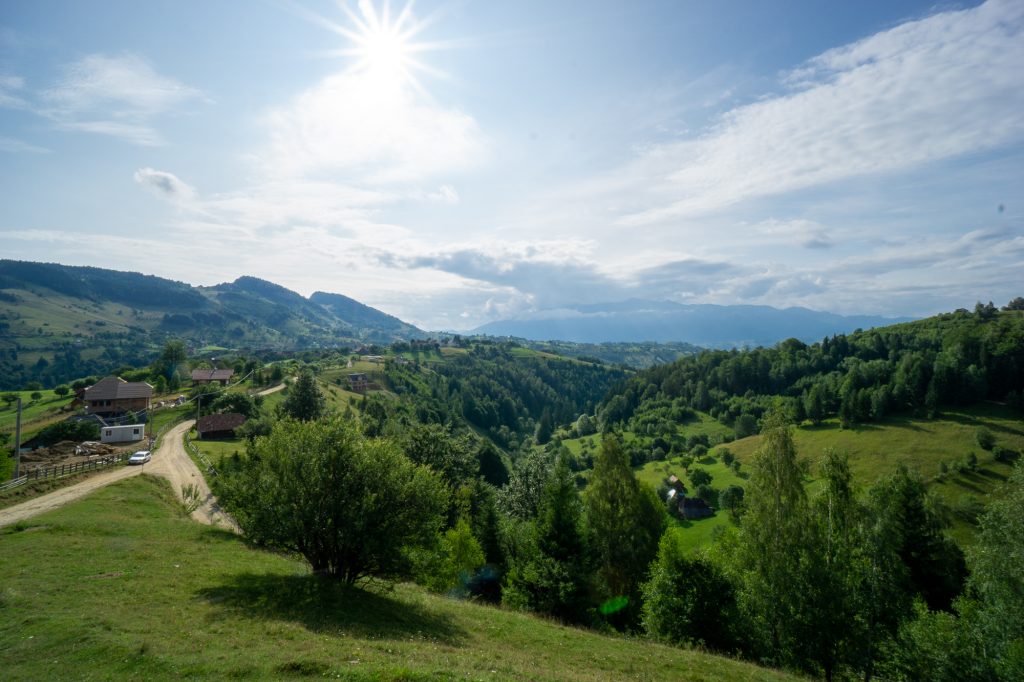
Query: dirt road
(170, 461)
(173, 463)
(58, 498)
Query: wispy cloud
(114, 95)
(923, 91)
(10, 144)
(10, 92)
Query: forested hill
(917, 367)
(59, 322)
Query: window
(110, 432)
(135, 432)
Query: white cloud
(381, 132)
(166, 185)
(807, 233)
(117, 96)
(923, 91)
(9, 86)
(9, 144)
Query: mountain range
(715, 326)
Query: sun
(381, 43)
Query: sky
(458, 162)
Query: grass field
(876, 449)
(121, 585)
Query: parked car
(140, 457)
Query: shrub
(985, 438)
(1005, 455)
(69, 430)
(726, 455)
(352, 507)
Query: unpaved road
(170, 461)
(173, 463)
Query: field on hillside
(876, 449)
(123, 585)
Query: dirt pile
(69, 452)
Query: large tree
(626, 521)
(554, 575)
(772, 542)
(350, 505)
(305, 402)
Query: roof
(357, 377)
(220, 422)
(695, 503)
(212, 374)
(116, 388)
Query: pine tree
(305, 402)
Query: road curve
(169, 460)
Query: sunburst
(383, 45)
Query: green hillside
(61, 322)
(123, 585)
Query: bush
(700, 477)
(69, 430)
(352, 507)
(985, 438)
(1005, 455)
(726, 455)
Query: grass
(122, 585)
(876, 449)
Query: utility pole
(17, 442)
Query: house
(113, 396)
(219, 425)
(208, 376)
(127, 433)
(694, 508)
(675, 484)
(358, 382)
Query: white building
(128, 433)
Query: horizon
(459, 163)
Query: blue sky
(509, 159)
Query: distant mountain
(60, 321)
(700, 324)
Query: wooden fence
(61, 470)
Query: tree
(746, 425)
(172, 359)
(351, 506)
(688, 600)
(434, 445)
(772, 542)
(699, 477)
(62, 390)
(554, 575)
(455, 561)
(585, 426)
(305, 402)
(521, 497)
(492, 466)
(814, 404)
(731, 498)
(626, 523)
(35, 395)
(545, 427)
(9, 398)
(240, 403)
(935, 567)
(1016, 304)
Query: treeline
(837, 583)
(509, 395)
(953, 359)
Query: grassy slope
(875, 450)
(122, 585)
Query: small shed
(125, 433)
(214, 426)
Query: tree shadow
(328, 606)
(964, 482)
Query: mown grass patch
(122, 585)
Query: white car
(140, 457)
